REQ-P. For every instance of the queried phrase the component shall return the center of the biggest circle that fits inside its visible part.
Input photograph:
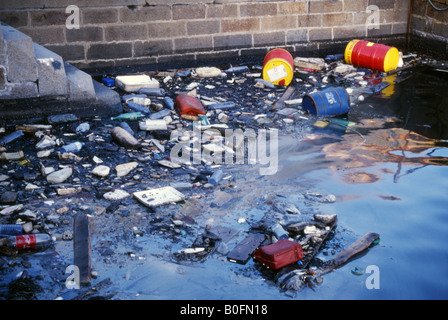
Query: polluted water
(163, 224)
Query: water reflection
(405, 123)
(392, 145)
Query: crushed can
(279, 254)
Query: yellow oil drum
(372, 55)
(278, 67)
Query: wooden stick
(281, 102)
(356, 247)
(82, 248)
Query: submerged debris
(162, 160)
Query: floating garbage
(329, 102)
(208, 72)
(28, 241)
(62, 118)
(278, 67)
(11, 137)
(108, 81)
(188, 105)
(72, 147)
(124, 139)
(128, 116)
(133, 83)
(372, 55)
(12, 156)
(159, 196)
(279, 254)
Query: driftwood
(281, 102)
(82, 248)
(356, 247)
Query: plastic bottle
(279, 232)
(153, 91)
(28, 241)
(138, 108)
(72, 147)
(128, 116)
(334, 57)
(8, 156)
(222, 106)
(124, 138)
(161, 114)
(127, 127)
(62, 118)
(11, 137)
(11, 229)
(216, 177)
(169, 102)
(238, 69)
(82, 128)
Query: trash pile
(129, 158)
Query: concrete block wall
(429, 27)
(125, 32)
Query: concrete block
(51, 73)
(2, 49)
(21, 62)
(80, 85)
(21, 90)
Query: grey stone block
(22, 90)
(51, 73)
(80, 85)
(21, 62)
(2, 49)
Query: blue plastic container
(329, 102)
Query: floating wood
(243, 251)
(82, 248)
(286, 96)
(356, 247)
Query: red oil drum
(372, 55)
(278, 67)
(188, 105)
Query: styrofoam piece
(133, 83)
(158, 197)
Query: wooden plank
(82, 248)
(243, 251)
(356, 247)
(281, 102)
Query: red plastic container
(188, 105)
(279, 254)
(372, 55)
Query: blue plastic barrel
(329, 102)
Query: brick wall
(122, 32)
(429, 27)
